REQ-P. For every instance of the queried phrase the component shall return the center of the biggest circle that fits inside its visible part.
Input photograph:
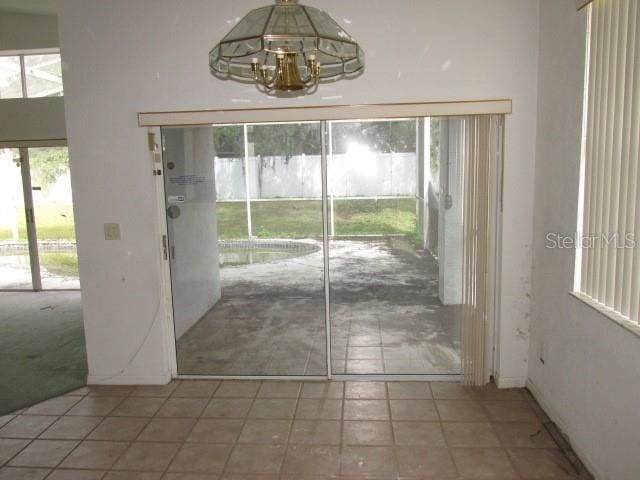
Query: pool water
(244, 252)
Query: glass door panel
(53, 214)
(388, 314)
(15, 267)
(244, 217)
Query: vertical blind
(478, 213)
(608, 262)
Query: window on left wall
(30, 74)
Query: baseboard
(556, 418)
(127, 380)
(510, 382)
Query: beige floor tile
(460, 411)
(161, 391)
(227, 408)
(449, 391)
(409, 390)
(365, 390)
(95, 406)
(26, 426)
(201, 458)
(138, 407)
(319, 409)
(71, 428)
(258, 459)
(279, 389)
(547, 464)
(312, 460)
(11, 473)
(421, 410)
(244, 476)
(318, 432)
(365, 366)
(330, 389)
(54, 406)
(216, 430)
(82, 391)
(43, 453)
(151, 457)
(366, 410)
(9, 447)
(95, 455)
(368, 461)
(483, 463)
(510, 412)
(491, 392)
(183, 407)
(367, 433)
(524, 435)
(426, 462)
(470, 434)
(189, 476)
(196, 388)
(110, 390)
(60, 474)
(118, 428)
(273, 408)
(418, 434)
(4, 419)
(132, 475)
(237, 389)
(265, 431)
(167, 430)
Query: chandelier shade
(286, 46)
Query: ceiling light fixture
(286, 47)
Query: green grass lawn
(303, 218)
(54, 222)
(278, 219)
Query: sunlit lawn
(273, 219)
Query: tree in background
(48, 164)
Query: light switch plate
(112, 231)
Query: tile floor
(253, 430)
(386, 317)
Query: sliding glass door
(281, 237)
(244, 216)
(37, 234)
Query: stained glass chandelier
(286, 47)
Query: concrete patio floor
(386, 317)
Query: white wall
(122, 57)
(590, 380)
(20, 31)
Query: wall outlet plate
(112, 231)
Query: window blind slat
(627, 182)
(589, 145)
(619, 33)
(592, 162)
(598, 159)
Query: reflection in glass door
(244, 217)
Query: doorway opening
(318, 248)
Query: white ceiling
(45, 7)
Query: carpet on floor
(42, 347)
